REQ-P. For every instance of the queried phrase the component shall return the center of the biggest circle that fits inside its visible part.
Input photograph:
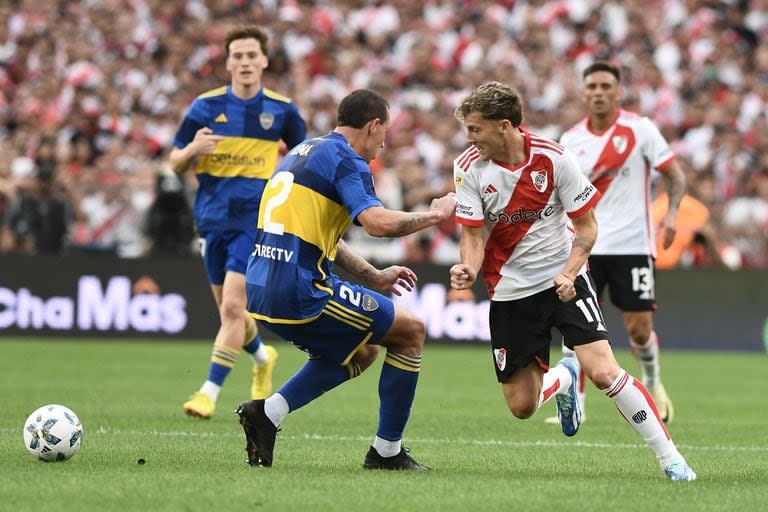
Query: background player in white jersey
(617, 149)
(515, 194)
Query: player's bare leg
(635, 404)
(645, 347)
(230, 299)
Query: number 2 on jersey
(285, 181)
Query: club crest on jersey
(458, 180)
(369, 303)
(267, 120)
(539, 179)
(500, 356)
(620, 143)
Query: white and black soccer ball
(53, 433)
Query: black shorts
(630, 280)
(521, 330)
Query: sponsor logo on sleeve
(584, 194)
(464, 210)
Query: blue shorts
(225, 250)
(353, 317)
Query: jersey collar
(527, 142)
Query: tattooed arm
(353, 263)
(381, 222)
(391, 279)
(586, 234)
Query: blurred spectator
(112, 218)
(169, 223)
(39, 220)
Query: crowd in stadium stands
(91, 94)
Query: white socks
(276, 408)
(648, 357)
(387, 448)
(261, 355)
(211, 389)
(635, 404)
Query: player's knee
(522, 409)
(639, 331)
(231, 311)
(419, 335)
(365, 357)
(602, 376)
(416, 333)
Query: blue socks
(313, 379)
(222, 360)
(397, 388)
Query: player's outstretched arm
(472, 250)
(203, 144)
(381, 222)
(392, 279)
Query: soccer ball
(52, 433)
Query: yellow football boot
(663, 404)
(200, 405)
(261, 387)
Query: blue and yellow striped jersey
(232, 178)
(319, 188)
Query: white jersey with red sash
(525, 211)
(619, 162)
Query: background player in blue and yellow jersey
(320, 188)
(231, 137)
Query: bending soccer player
(231, 137)
(616, 150)
(516, 192)
(320, 188)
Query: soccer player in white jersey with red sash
(515, 195)
(617, 149)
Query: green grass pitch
(128, 396)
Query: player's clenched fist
(462, 276)
(565, 288)
(446, 205)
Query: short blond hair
(493, 100)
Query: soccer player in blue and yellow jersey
(320, 188)
(231, 137)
